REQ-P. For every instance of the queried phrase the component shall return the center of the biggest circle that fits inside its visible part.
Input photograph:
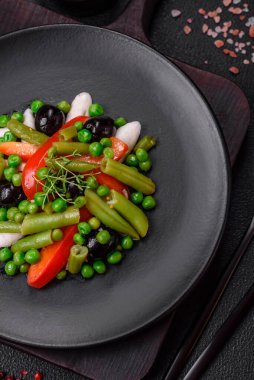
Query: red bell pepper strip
(119, 147)
(54, 257)
(37, 160)
(24, 150)
(111, 182)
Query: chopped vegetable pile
(73, 190)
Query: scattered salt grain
(187, 30)
(175, 13)
(246, 62)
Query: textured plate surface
(190, 168)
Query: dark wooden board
(222, 96)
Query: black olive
(100, 127)
(10, 195)
(74, 190)
(49, 119)
(100, 251)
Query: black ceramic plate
(189, 166)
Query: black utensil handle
(199, 326)
(220, 338)
(135, 19)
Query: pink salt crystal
(218, 29)
(189, 20)
(187, 30)
(219, 10)
(251, 31)
(243, 51)
(206, 17)
(241, 34)
(235, 10)
(175, 13)
(230, 41)
(248, 43)
(236, 1)
(225, 34)
(201, 11)
(234, 70)
(214, 34)
(210, 32)
(246, 62)
(206, 62)
(217, 19)
(252, 59)
(226, 3)
(205, 28)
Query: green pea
(5, 254)
(95, 109)
(11, 213)
(8, 173)
(17, 179)
(106, 142)
(91, 182)
(19, 217)
(61, 275)
(99, 267)
(8, 136)
(59, 205)
(40, 199)
(64, 106)
(14, 160)
(24, 268)
(149, 202)
(4, 120)
(96, 149)
(57, 234)
(103, 191)
(94, 223)
(42, 173)
(85, 136)
(18, 116)
(32, 208)
(52, 152)
(32, 256)
(10, 268)
(79, 239)
(84, 228)
(3, 214)
(23, 206)
(19, 258)
(120, 121)
(103, 237)
(131, 160)
(115, 257)
(36, 105)
(87, 271)
(127, 242)
(142, 155)
(146, 165)
(108, 153)
(78, 125)
(137, 197)
(80, 201)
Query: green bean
(37, 241)
(42, 221)
(72, 165)
(64, 148)
(128, 176)
(147, 143)
(69, 133)
(25, 133)
(10, 227)
(78, 256)
(108, 215)
(2, 167)
(133, 214)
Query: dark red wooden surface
(133, 358)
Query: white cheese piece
(8, 239)
(129, 133)
(80, 105)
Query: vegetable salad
(73, 190)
